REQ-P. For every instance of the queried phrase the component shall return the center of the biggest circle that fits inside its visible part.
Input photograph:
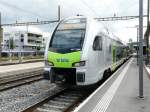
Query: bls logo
(62, 60)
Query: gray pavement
(120, 93)
(11, 69)
(13, 62)
(126, 98)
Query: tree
(11, 43)
(38, 49)
(11, 46)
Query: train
(82, 52)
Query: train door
(108, 51)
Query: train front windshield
(69, 35)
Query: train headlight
(78, 64)
(49, 63)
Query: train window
(110, 48)
(98, 43)
(70, 39)
(68, 36)
(22, 35)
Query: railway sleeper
(50, 108)
(46, 110)
(68, 97)
(64, 100)
(72, 94)
(60, 107)
(58, 103)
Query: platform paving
(126, 98)
(120, 93)
(13, 62)
(11, 69)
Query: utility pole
(141, 49)
(20, 49)
(137, 44)
(1, 36)
(147, 36)
(59, 13)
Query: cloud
(30, 10)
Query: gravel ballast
(22, 97)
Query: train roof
(101, 25)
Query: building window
(22, 35)
(22, 40)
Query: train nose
(64, 75)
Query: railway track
(19, 78)
(64, 101)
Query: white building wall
(25, 45)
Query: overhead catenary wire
(118, 18)
(53, 21)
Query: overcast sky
(30, 10)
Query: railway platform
(19, 68)
(120, 93)
(6, 63)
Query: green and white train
(81, 52)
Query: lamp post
(141, 49)
(137, 44)
(1, 36)
(20, 49)
(147, 36)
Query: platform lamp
(141, 49)
(147, 32)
